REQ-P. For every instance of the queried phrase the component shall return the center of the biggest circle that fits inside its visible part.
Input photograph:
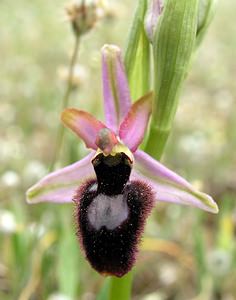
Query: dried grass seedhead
(83, 14)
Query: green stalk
(156, 141)
(65, 101)
(120, 288)
(173, 45)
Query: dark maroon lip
(111, 212)
(113, 252)
(112, 173)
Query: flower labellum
(115, 187)
(111, 213)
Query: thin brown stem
(65, 101)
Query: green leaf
(139, 79)
(137, 54)
(133, 38)
(174, 43)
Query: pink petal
(60, 185)
(169, 186)
(133, 128)
(83, 124)
(116, 92)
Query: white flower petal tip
(168, 186)
(37, 194)
(109, 49)
(60, 186)
(206, 202)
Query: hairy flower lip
(127, 124)
(111, 240)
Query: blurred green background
(186, 254)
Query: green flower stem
(65, 101)
(153, 147)
(120, 288)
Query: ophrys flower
(115, 187)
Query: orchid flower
(114, 187)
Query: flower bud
(206, 12)
(155, 8)
(83, 15)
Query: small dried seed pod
(83, 15)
